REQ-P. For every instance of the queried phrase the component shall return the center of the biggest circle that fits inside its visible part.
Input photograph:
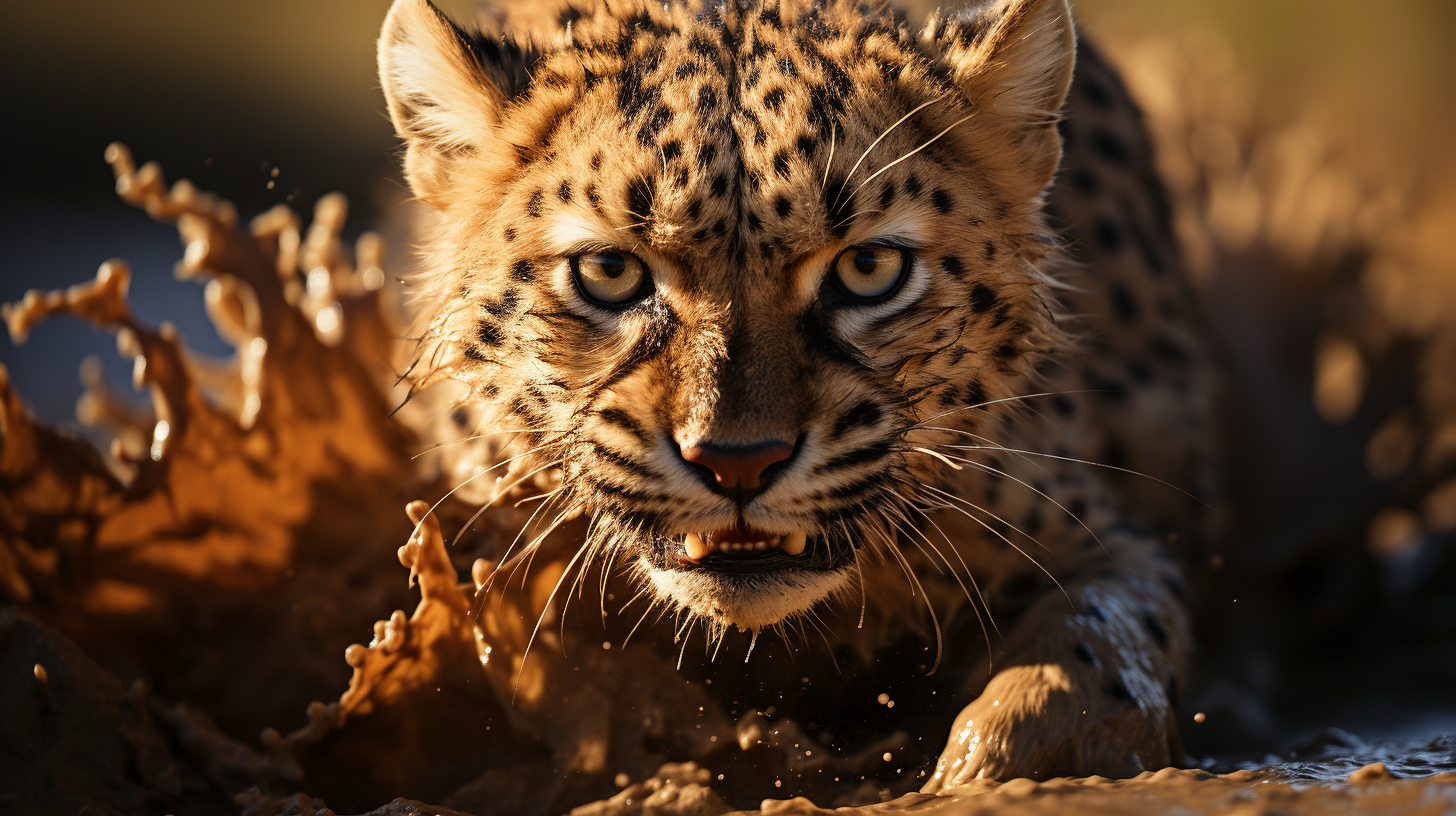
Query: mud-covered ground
(186, 589)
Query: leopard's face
(727, 270)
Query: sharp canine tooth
(693, 544)
(794, 543)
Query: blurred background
(1307, 144)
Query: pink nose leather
(738, 466)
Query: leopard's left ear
(1013, 60)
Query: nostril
(738, 466)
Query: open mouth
(744, 576)
(741, 547)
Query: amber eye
(871, 272)
(610, 277)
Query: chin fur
(746, 601)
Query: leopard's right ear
(446, 91)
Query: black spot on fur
(942, 200)
(773, 99)
(912, 185)
(781, 163)
(720, 227)
(988, 251)
(887, 195)
(839, 206)
(975, 393)
(952, 265)
(1114, 454)
(807, 145)
(1084, 181)
(509, 234)
(1031, 525)
(787, 68)
(707, 100)
(640, 193)
(754, 222)
(1108, 235)
(647, 134)
(695, 208)
(982, 298)
(564, 192)
(782, 206)
(1123, 303)
(523, 271)
(702, 47)
(1157, 263)
(507, 304)
(489, 334)
(1155, 629)
(706, 154)
(1063, 406)
(533, 204)
(632, 96)
(592, 197)
(862, 415)
(1108, 147)
(596, 162)
(720, 185)
(671, 150)
(1095, 92)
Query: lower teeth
(697, 547)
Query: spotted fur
(941, 437)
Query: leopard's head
(724, 264)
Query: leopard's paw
(1040, 721)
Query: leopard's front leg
(1087, 683)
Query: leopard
(835, 317)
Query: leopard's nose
(738, 467)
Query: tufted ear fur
(446, 92)
(1013, 60)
